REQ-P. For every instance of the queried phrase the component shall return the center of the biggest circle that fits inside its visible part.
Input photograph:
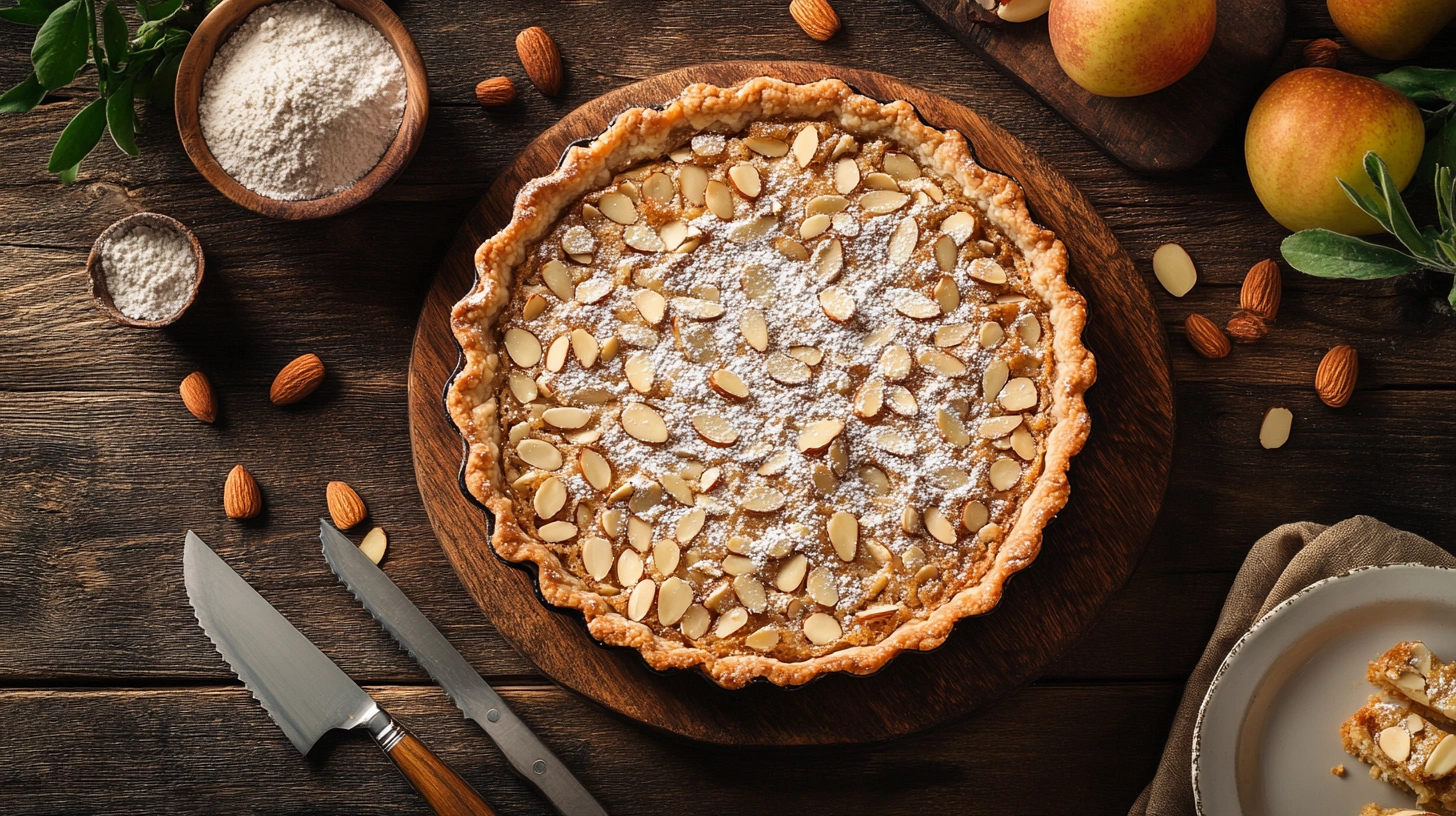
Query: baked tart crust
(860, 462)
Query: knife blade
(302, 690)
(530, 757)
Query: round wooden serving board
(1117, 481)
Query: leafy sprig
(1328, 254)
(129, 67)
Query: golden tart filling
(780, 398)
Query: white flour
(302, 100)
(149, 271)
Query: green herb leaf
(1371, 206)
(1422, 84)
(164, 81)
(115, 35)
(1451, 298)
(60, 45)
(1445, 189)
(1440, 150)
(1402, 226)
(30, 12)
(23, 97)
(1327, 254)
(121, 119)
(163, 9)
(79, 137)
(68, 176)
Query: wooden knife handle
(441, 787)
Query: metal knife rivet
(539, 766)
(493, 715)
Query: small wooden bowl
(217, 27)
(101, 294)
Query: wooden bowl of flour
(96, 271)
(219, 24)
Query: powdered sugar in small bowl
(145, 270)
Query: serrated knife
(531, 759)
(304, 692)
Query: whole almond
(1321, 53)
(816, 17)
(1246, 327)
(1334, 380)
(1262, 290)
(345, 506)
(241, 498)
(540, 59)
(1206, 337)
(198, 397)
(495, 91)
(297, 380)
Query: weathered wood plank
(211, 750)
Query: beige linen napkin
(1282, 563)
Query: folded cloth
(1282, 563)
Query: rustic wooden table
(112, 699)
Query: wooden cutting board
(1090, 549)
(1168, 130)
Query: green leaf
(79, 137)
(121, 119)
(1372, 206)
(1402, 226)
(1446, 200)
(22, 97)
(1422, 84)
(1451, 298)
(163, 9)
(1440, 150)
(68, 176)
(60, 45)
(1327, 254)
(30, 12)
(164, 82)
(115, 35)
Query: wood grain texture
(1117, 480)
(210, 35)
(1160, 132)
(129, 710)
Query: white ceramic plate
(1269, 729)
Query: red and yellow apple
(1314, 125)
(1130, 47)
(1391, 29)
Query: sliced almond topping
(523, 387)
(720, 200)
(1005, 473)
(523, 347)
(776, 464)
(709, 479)
(1414, 724)
(1442, 759)
(990, 334)
(623, 492)
(947, 294)
(824, 479)
(878, 482)
(750, 593)
(826, 205)
(901, 167)
(550, 498)
(814, 226)
(591, 291)
(879, 337)
(1030, 330)
(640, 372)
(939, 526)
(828, 261)
(539, 454)
(745, 179)
(694, 184)
(974, 516)
(893, 441)
(846, 144)
(746, 231)
(882, 181)
(882, 202)
(651, 305)
(697, 309)
(658, 187)
(665, 555)
(643, 238)
(773, 148)
(937, 361)
(1396, 743)
(816, 436)
(951, 428)
(535, 305)
(618, 207)
(1023, 443)
(763, 640)
(762, 499)
(844, 534)
(1018, 395)
(846, 175)
(877, 612)
(641, 422)
(690, 525)
(585, 347)
(822, 629)
(839, 457)
(731, 622)
(945, 253)
(998, 427)
(953, 335)
(715, 429)
(584, 260)
(728, 384)
(987, 270)
(808, 355)
(837, 303)
(518, 432)
(736, 565)
(903, 240)
(673, 600)
(640, 602)
(674, 233)
(677, 486)
(639, 336)
(791, 574)
(869, 399)
(994, 379)
(895, 362)
(821, 587)
(695, 622)
(647, 496)
(911, 303)
(1414, 687)
(568, 418)
(901, 401)
(596, 556)
(959, 226)
(806, 144)
(785, 369)
(556, 531)
(556, 353)
(578, 241)
(558, 279)
(791, 249)
(754, 329)
(594, 469)
(639, 535)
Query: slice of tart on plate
(772, 381)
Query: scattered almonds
(241, 498)
(1334, 380)
(1274, 431)
(1174, 269)
(374, 544)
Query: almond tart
(771, 381)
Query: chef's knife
(299, 686)
(465, 687)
